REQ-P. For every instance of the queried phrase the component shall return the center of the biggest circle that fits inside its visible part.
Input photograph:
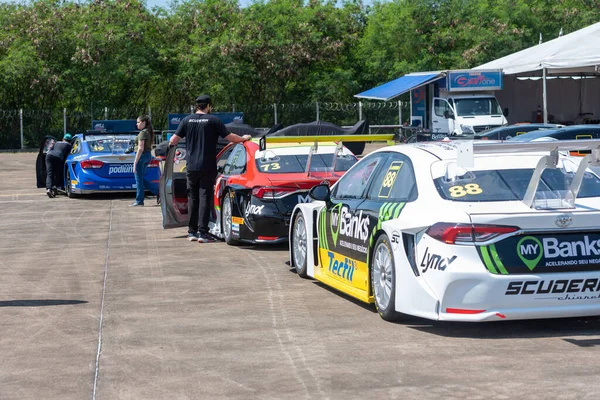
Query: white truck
(465, 113)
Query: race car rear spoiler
(391, 137)
(467, 150)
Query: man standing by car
(55, 164)
(201, 131)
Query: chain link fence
(25, 128)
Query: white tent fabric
(577, 52)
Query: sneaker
(55, 191)
(205, 238)
(136, 204)
(50, 193)
(192, 237)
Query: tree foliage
(58, 54)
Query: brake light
(467, 233)
(94, 164)
(272, 192)
(155, 162)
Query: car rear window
(296, 163)
(109, 144)
(511, 184)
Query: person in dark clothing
(201, 131)
(55, 164)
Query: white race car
(459, 231)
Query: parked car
(509, 131)
(256, 189)
(99, 162)
(419, 231)
(572, 132)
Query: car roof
(528, 127)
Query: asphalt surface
(97, 301)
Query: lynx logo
(304, 199)
(253, 209)
(434, 261)
(344, 222)
(121, 169)
(343, 269)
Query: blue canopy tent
(395, 88)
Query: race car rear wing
(467, 150)
(340, 139)
(391, 138)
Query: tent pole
(544, 95)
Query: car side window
(236, 163)
(223, 158)
(76, 149)
(354, 183)
(395, 180)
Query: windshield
(296, 163)
(511, 184)
(477, 106)
(110, 144)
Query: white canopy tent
(576, 54)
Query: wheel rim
(383, 276)
(299, 243)
(227, 218)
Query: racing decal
(543, 254)
(344, 269)
(237, 220)
(432, 261)
(395, 240)
(304, 199)
(389, 179)
(120, 169)
(387, 211)
(559, 289)
(272, 166)
(344, 222)
(253, 209)
(469, 188)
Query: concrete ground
(97, 301)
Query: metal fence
(24, 128)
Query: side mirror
(448, 114)
(320, 192)
(506, 111)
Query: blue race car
(99, 162)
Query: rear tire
(299, 245)
(383, 279)
(68, 186)
(226, 218)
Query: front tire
(299, 245)
(226, 218)
(383, 279)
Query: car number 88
(469, 188)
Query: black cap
(203, 99)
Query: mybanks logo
(344, 222)
(529, 250)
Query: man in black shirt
(55, 164)
(201, 132)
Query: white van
(465, 113)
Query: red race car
(256, 187)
